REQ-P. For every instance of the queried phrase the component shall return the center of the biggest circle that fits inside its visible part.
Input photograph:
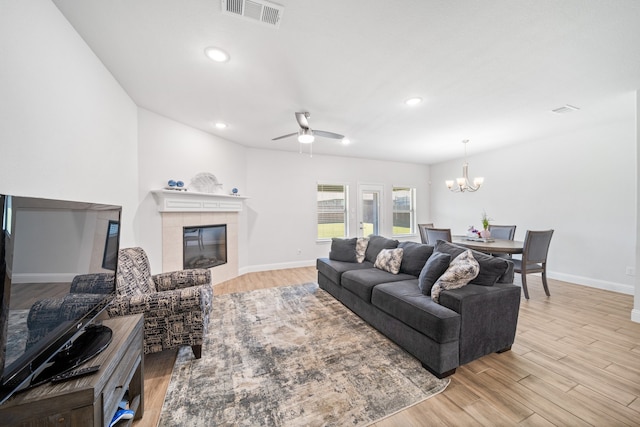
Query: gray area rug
(292, 356)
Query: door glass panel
(370, 212)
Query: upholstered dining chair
(175, 304)
(435, 234)
(423, 231)
(504, 232)
(534, 258)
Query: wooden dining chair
(534, 258)
(435, 234)
(423, 231)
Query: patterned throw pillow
(389, 260)
(463, 269)
(361, 248)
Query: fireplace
(204, 246)
(188, 209)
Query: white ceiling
(489, 71)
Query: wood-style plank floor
(575, 362)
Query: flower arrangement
(485, 220)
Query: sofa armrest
(507, 277)
(163, 304)
(182, 279)
(488, 317)
(94, 283)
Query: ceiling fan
(306, 135)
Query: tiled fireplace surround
(185, 209)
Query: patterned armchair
(175, 305)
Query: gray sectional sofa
(466, 324)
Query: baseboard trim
(593, 283)
(635, 315)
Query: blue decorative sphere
(234, 190)
(172, 183)
(180, 184)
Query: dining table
(491, 246)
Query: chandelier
(462, 184)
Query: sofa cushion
(376, 244)
(361, 248)
(414, 257)
(461, 271)
(361, 282)
(389, 260)
(333, 269)
(404, 301)
(491, 268)
(435, 267)
(343, 250)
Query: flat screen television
(44, 245)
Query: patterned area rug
(292, 356)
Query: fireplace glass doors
(204, 246)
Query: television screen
(47, 250)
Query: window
(403, 210)
(332, 211)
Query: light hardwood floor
(575, 361)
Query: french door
(370, 197)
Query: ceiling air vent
(255, 10)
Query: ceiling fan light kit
(462, 184)
(306, 135)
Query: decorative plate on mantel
(205, 183)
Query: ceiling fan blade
(302, 119)
(327, 134)
(284, 136)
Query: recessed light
(413, 101)
(221, 125)
(346, 141)
(216, 54)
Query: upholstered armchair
(175, 305)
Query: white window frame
(411, 211)
(345, 192)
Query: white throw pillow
(463, 269)
(389, 260)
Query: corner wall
(171, 150)
(67, 128)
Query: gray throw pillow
(343, 250)
(435, 267)
(389, 260)
(491, 268)
(463, 269)
(414, 257)
(376, 244)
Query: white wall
(581, 184)
(635, 314)
(67, 129)
(282, 205)
(171, 150)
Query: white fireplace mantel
(192, 201)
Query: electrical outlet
(631, 271)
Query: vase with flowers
(485, 233)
